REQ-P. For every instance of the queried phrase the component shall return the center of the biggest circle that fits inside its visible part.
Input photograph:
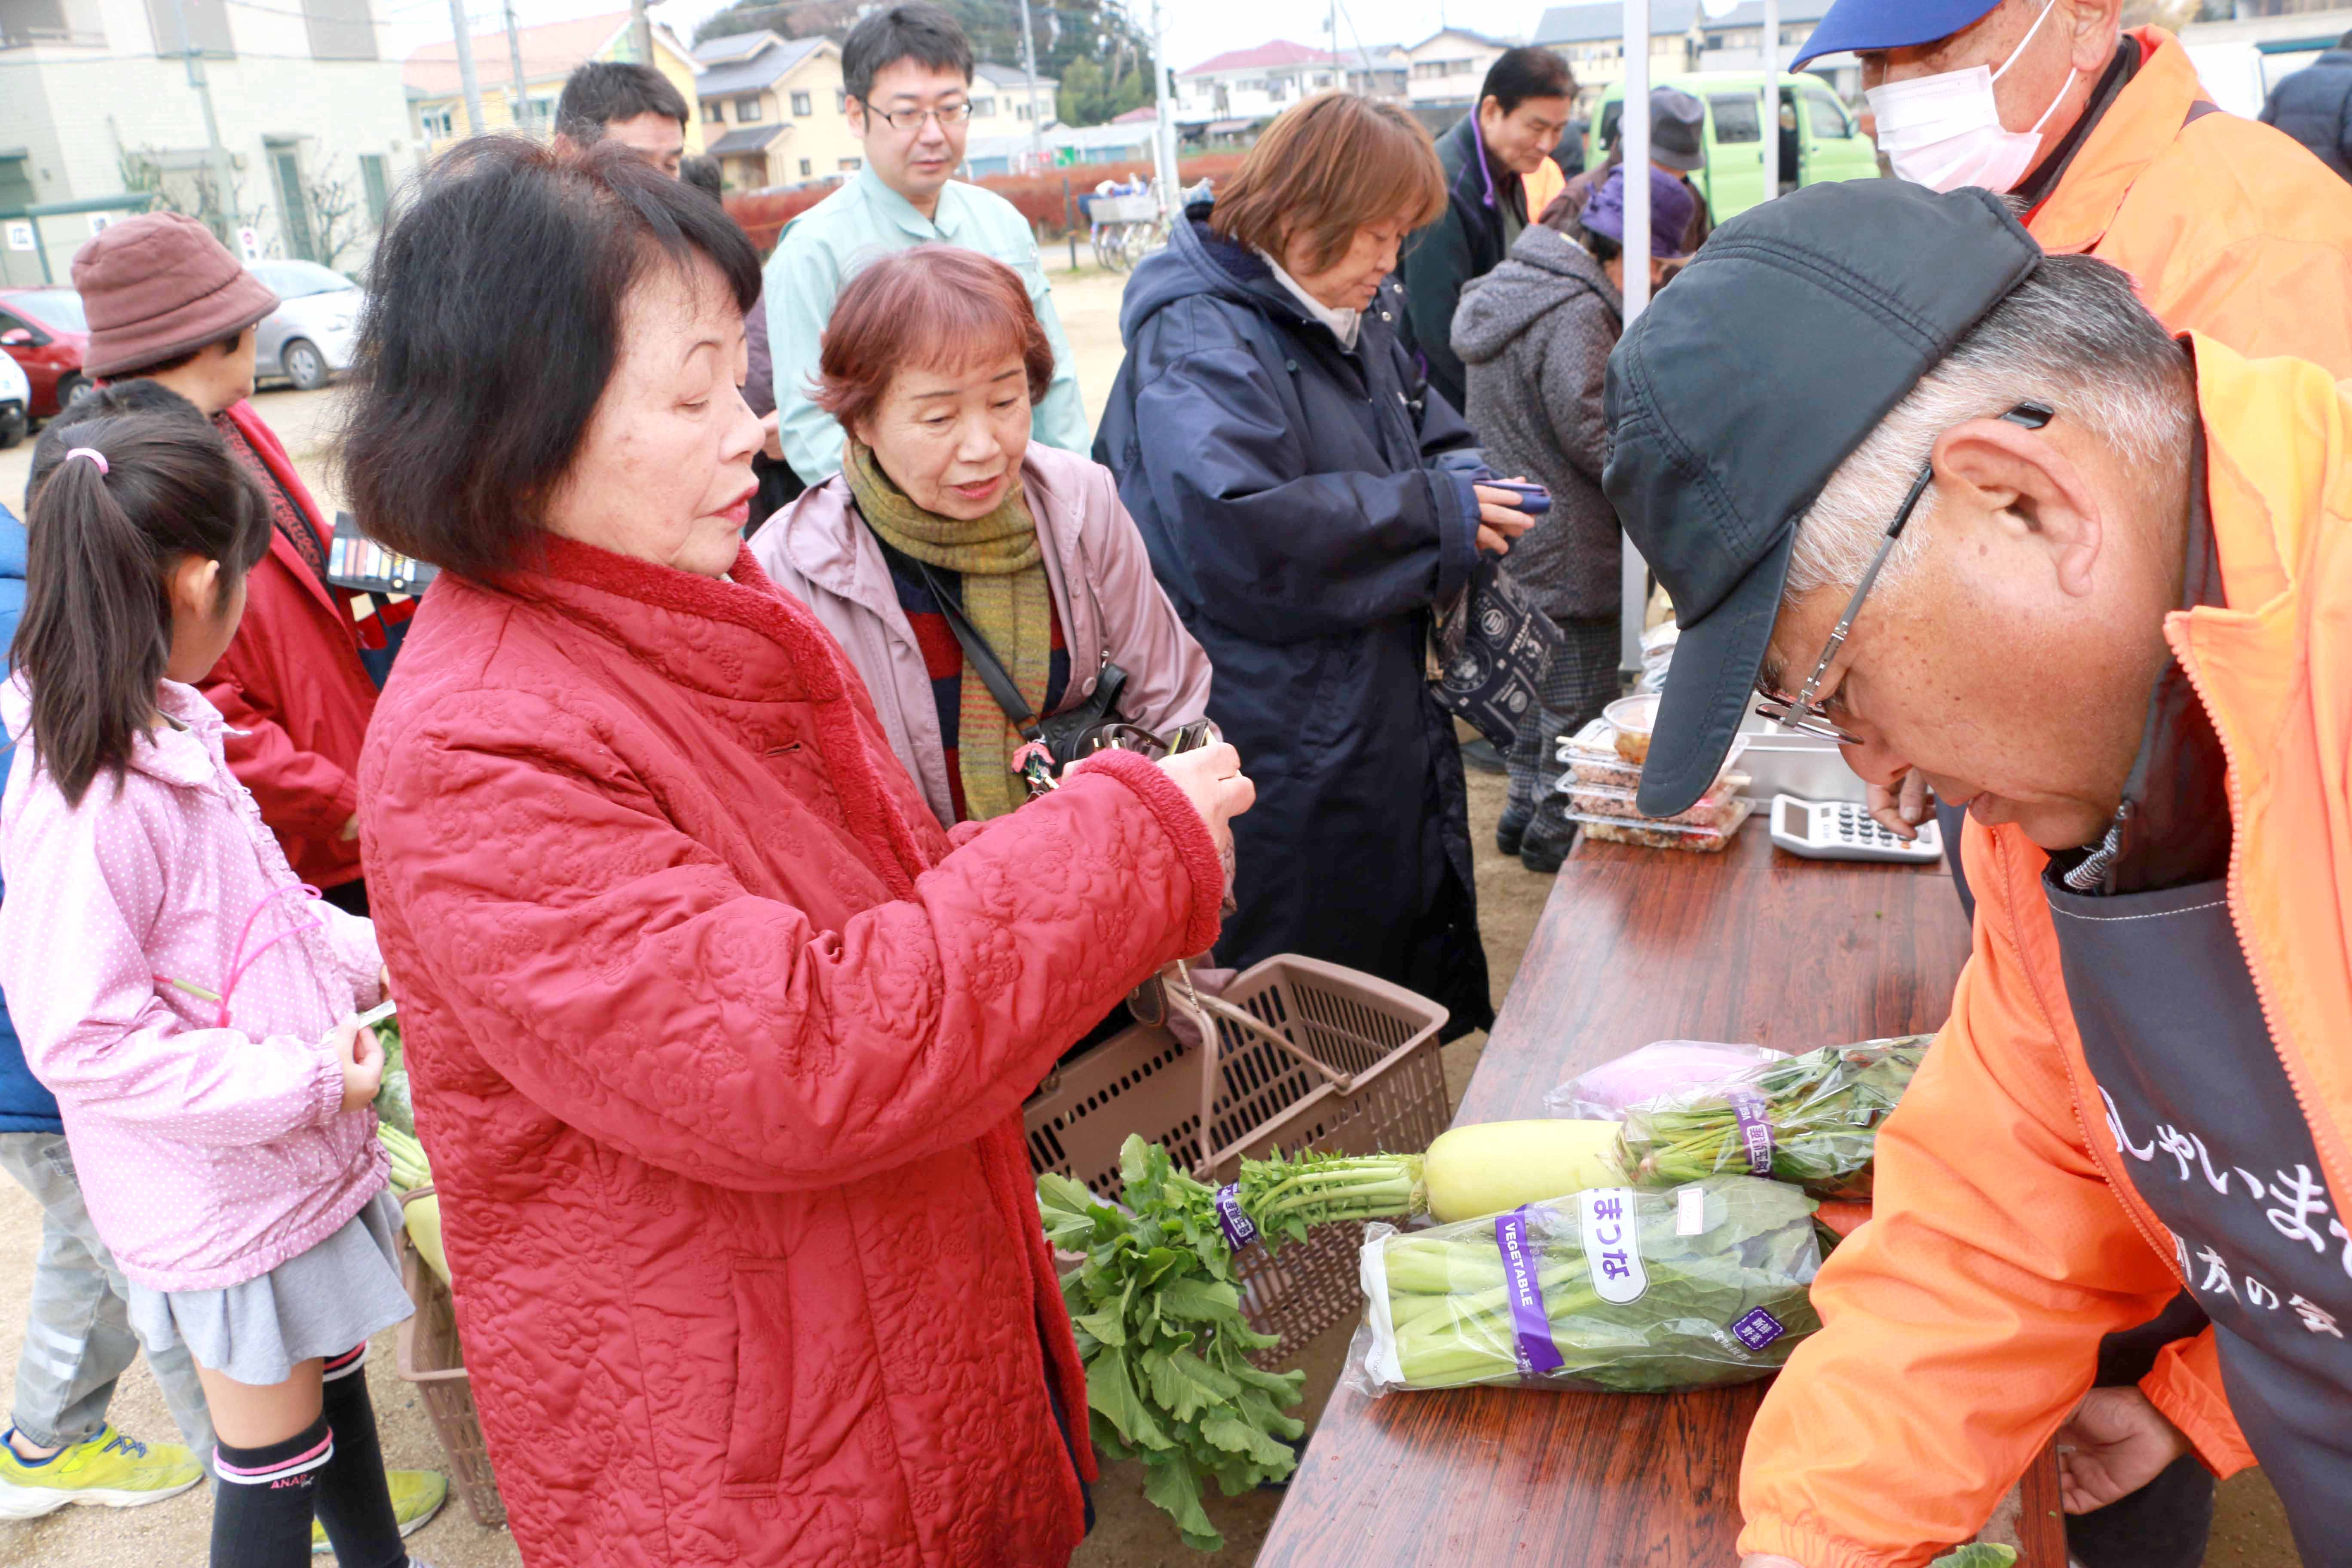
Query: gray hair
(2073, 335)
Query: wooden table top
(1634, 945)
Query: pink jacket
(208, 1155)
(1111, 607)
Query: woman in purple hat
(1535, 335)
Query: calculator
(1841, 830)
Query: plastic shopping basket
(431, 1357)
(1303, 1056)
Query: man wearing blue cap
(2095, 583)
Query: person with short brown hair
(933, 363)
(1307, 501)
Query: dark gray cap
(1732, 399)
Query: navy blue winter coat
(1305, 507)
(2314, 105)
(25, 1105)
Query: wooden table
(1635, 945)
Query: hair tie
(93, 454)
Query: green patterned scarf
(1006, 598)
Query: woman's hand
(363, 1060)
(1500, 521)
(1213, 780)
(771, 436)
(2113, 1444)
(1902, 809)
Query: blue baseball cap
(1888, 25)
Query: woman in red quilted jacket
(719, 1041)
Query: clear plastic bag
(1653, 1071)
(1812, 1120)
(1616, 1290)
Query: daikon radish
(1496, 1165)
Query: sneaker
(1545, 856)
(109, 1470)
(416, 1496)
(1511, 831)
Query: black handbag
(1492, 647)
(1066, 736)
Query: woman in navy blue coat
(1307, 501)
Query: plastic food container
(1591, 760)
(1632, 717)
(1651, 834)
(1714, 808)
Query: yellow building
(551, 52)
(772, 112)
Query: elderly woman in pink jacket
(949, 540)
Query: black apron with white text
(2206, 1123)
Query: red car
(44, 331)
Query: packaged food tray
(1651, 835)
(1714, 808)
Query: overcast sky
(1196, 28)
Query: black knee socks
(263, 1507)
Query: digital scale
(1842, 830)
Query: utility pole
(464, 28)
(514, 63)
(1163, 131)
(641, 32)
(1029, 63)
(224, 191)
(1338, 72)
(1633, 134)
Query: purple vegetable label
(1757, 1329)
(1610, 1245)
(1755, 1130)
(1239, 1232)
(1530, 1323)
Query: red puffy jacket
(293, 683)
(718, 1053)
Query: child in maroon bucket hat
(168, 303)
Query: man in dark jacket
(1299, 502)
(59, 1448)
(2314, 107)
(1677, 145)
(1523, 107)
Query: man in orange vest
(2095, 583)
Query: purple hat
(1671, 206)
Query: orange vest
(2230, 227)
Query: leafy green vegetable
(1977, 1555)
(1446, 1317)
(1824, 1108)
(392, 1102)
(1156, 1308)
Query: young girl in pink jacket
(192, 1006)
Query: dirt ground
(2249, 1531)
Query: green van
(1819, 138)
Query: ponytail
(96, 634)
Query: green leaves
(1977, 1555)
(1158, 1311)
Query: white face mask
(1944, 131)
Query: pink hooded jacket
(208, 1155)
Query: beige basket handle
(1206, 1011)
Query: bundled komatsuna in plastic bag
(1618, 1288)
(1812, 1120)
(1653, 1071)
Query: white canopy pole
(1633, 131)
(1771, 99)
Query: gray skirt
(322, 1302)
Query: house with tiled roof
(1449, 66)
(1242, 86)
(551, 52)
(772, 109)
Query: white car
(310, 335)
(16, 402)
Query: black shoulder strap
(993, 673)
(2198, 110)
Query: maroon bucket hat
(159, 286)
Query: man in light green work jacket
(907, 71)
